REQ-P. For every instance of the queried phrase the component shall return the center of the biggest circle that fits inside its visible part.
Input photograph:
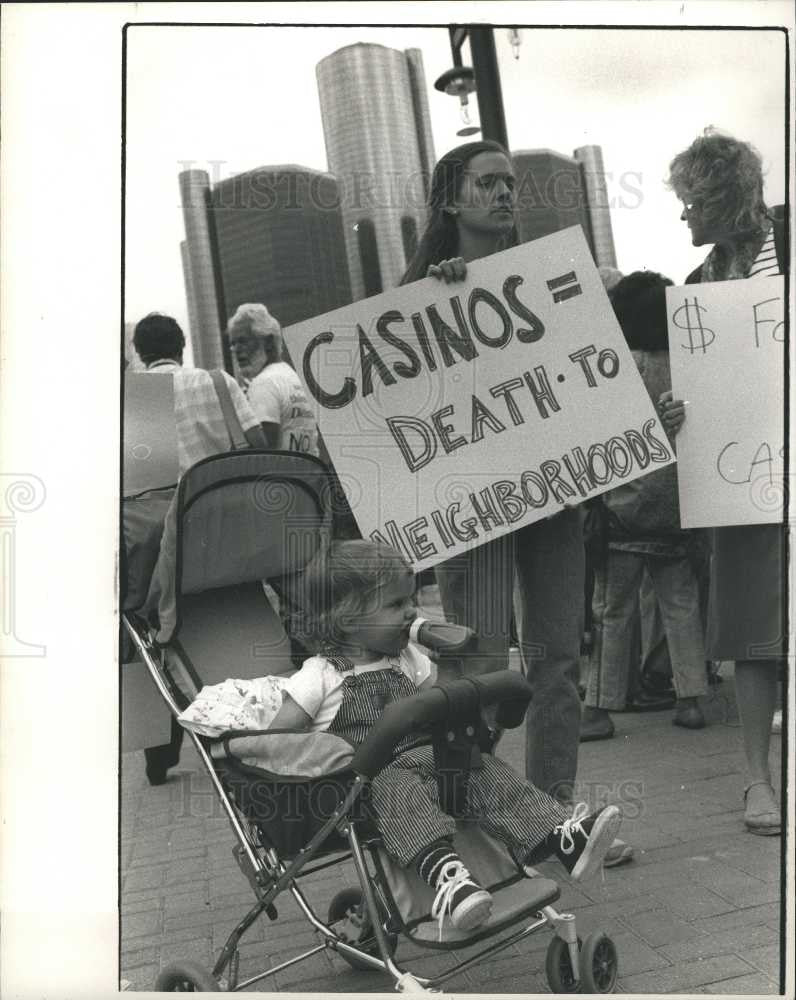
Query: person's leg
(595, 723)
(616, 590)
(677, 590)
(756, 692)
(159, 759)
(406, 804)
(475, 589)
(510, 809)
(588, 599)
(651, 686)
(549, 560)
(459, 895)
(533, 825)
(417, 833)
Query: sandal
(619, 853)
(767, 823)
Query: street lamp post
(459, 80)
(487, 85)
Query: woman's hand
(454, 269)
(672, 412)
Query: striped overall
(405, 796)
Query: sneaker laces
(570, 826)
(453, 875)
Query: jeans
(616, 595)
(539, 568)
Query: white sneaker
(776, 724)
(581, 842)
(460, 897)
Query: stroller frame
(376, 918)
(269, 877)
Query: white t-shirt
(277, 397)
(318, 686)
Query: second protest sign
(457, 413)
(727, 349)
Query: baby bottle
(441, 637)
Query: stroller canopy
(238, 518)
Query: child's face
(383, 625)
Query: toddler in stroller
(360, 600)
(367, 760)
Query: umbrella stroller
(298, 802)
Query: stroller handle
(460, 700)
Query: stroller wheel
(185, 977)
(598, 964)
(558, 967)
(348, 910)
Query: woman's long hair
(440, 241)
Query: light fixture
(515, 41)
(459, 82)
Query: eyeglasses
(244, 340)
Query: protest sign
(149, 449)
(727, 351)
(455, 413)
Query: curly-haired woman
(719, 180)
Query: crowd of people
(708, 595)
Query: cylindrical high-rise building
(591, 160)
(206, 338)
(190, 295)
(376, 125)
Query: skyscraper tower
(550, 194)
(591, 160)
(279, 236)
(200, 273)
(377, 130)
(190, 295)
(555, 191)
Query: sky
(228, 99)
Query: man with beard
(275, 392)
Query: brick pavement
(696, 912)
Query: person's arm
(252, 431)
(266, 398)
(271, 434)
(306, 694)
(256, 437)
(290, 716)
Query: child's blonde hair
(339, 584)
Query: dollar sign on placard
(697, 333)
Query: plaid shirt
(201, 430)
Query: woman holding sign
(720, 182)
(471, 215)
